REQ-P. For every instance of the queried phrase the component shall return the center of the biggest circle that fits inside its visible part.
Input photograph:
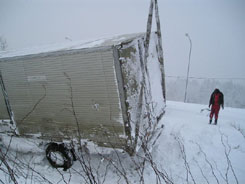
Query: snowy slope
(187, 125)
(189, 150)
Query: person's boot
(215, 122)
(210, 121)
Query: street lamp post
(188, 70)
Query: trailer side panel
(56, 94)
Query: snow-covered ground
(189, 150)
(186, 125)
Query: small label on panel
(36, 78)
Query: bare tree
(3, 44)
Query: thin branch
(227, 153)
(10, 171)
(35, 106)
(7, 150)
(183, 154)
(73, 107)
(238, 128)
(208, 162)
(203, 175)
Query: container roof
(112, 41)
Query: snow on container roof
(115, 40)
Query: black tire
(65, 159)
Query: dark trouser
(214, 111)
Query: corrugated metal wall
(42, 89)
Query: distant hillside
(200, 89)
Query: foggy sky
(216, 28)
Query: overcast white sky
(216, 27)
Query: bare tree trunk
(7, 103)
(160, 49)
(148, 31)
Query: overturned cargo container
(100, 91)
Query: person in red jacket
(216, 100)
